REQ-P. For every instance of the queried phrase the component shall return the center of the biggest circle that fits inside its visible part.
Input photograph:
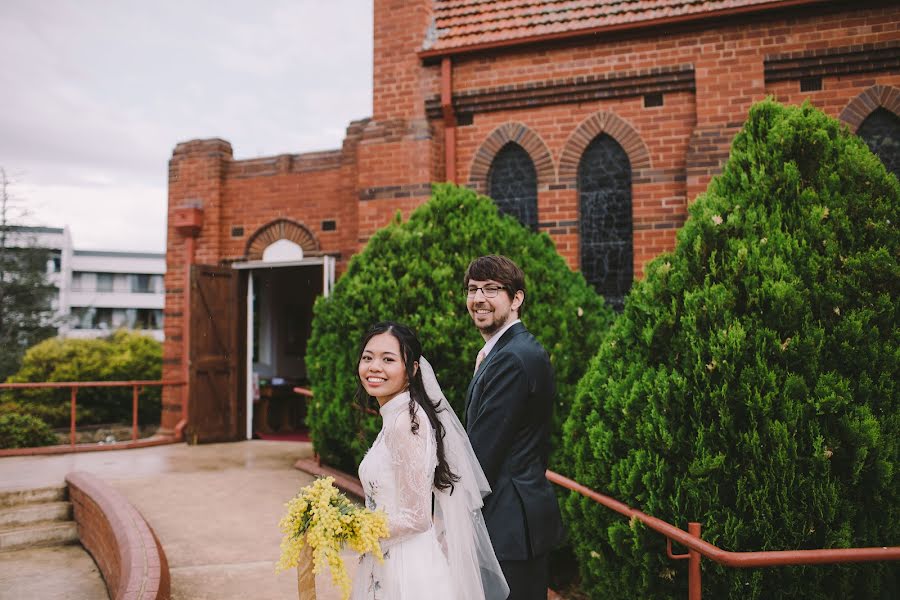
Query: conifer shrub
(412, 272)
(123, 356)
(751, 382)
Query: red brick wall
(687, 138)
(836, 93)
(387, 163)
(249, 194)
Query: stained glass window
(881, 132)
(604, 190)
(512, 183)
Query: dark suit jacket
(509, 407)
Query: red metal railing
(74, 386)
(697, 548)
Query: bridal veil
(458, 521)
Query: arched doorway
(284, 274)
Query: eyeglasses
(489, 291)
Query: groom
(509, 407)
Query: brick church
(596, 121)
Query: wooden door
(213, 412)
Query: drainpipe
(188, 222)
(449, 118)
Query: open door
(213, 412)
(327, 275)
(275, 298)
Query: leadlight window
(881, 132)
(604, 190)
(512, 183)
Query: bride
(423, 473)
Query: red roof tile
(464, 23)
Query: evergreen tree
(751, 382)
(413, 272)
(26, 314)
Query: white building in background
(109, 290)
(100, 291)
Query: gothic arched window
(881, 132)
(512, 183)
(604, 191)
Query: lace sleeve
(413, 470)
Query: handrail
(303, 391)
(741, 560)
(80, 384)
(74, 386)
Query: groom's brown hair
(500, 269)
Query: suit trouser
(527, 579)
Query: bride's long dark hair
(411, 350)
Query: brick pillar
(196, 180)
(395, 156)
(400, 30)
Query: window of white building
(105, 282)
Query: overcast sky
(94, 96)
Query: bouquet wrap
(319, 523)
(306, 579)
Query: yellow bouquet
(323, 518)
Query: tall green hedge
(123, 356)
(412, 272)
(751, 383)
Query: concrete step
(32, 496)
(25, 514)
(43, 533)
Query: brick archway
(280, 229)
(613, 126)
(524, 137)
(877, 96)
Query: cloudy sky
(96, 94)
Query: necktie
(479, 359)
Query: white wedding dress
(397, 475)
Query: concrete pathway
(215, 509)
(23, 574)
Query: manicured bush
(751, 382)
(123, 356)
(413, 272)
(58, 412)
(24, 431)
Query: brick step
(44, 533)
(25, 514)
(10, 498)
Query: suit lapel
(508, 335)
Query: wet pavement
(215, 509)
(23, 574)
